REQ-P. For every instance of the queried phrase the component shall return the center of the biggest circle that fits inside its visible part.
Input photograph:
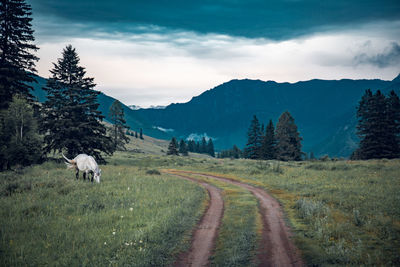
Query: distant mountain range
(324, 111)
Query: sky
(157, 52)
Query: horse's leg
(84, 176)
(77, 174)
(92, 176)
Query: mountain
(324, 111)
(132, 119)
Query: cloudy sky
(155, 52)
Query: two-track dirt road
(276, 248)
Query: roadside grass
(342, 213)
(240, 229)
(132, 218)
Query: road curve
(203, 240)
(277, 248)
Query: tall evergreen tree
(191, 146)
(376, 127)
(70, 116)
(288, 146)
(183, 150)
(394, 117)
(141, 134)
(210, 148)
(203, 145)
(173, 147)
(268, 144)
(17, 61)
(254, 140)
(119, 125)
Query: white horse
(84, 163)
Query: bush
(153, 172)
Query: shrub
(153, 172)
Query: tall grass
(130, 219)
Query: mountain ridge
(324, 111)
(228, 120)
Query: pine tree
(119, 125)
(236, 152)
(197, 148)
(312, 157)
(394, 119)
(191, 146)
(173, 147)
(210, 148)
(376, 128)
(288, 140)
(17, 61)
(183, 150)
(136, 135)
(254, 140)
(141, 134)
(70, 116)
(203, 145)
(268, 145)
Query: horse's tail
(71, 164)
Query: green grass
(342, 213)
(131, 218)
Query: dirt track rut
(203, 240)
(276, 248)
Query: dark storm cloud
(389, 57)
(276, 19)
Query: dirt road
(276, 248)
(203, 241)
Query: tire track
(203, 240)
(276, 248)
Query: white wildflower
(113, 233)
(131, 209)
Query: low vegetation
(132, 217)
(342, 212)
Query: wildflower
(126, 244)
(140, 241)
(105, 243)
(131, 209)
(122, 216)
(129, 188)
(113, 233)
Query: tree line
(378, 126)
(203, 147)
(68, 120)
(282, 143)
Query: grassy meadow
(341, 212)
(134, 217)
